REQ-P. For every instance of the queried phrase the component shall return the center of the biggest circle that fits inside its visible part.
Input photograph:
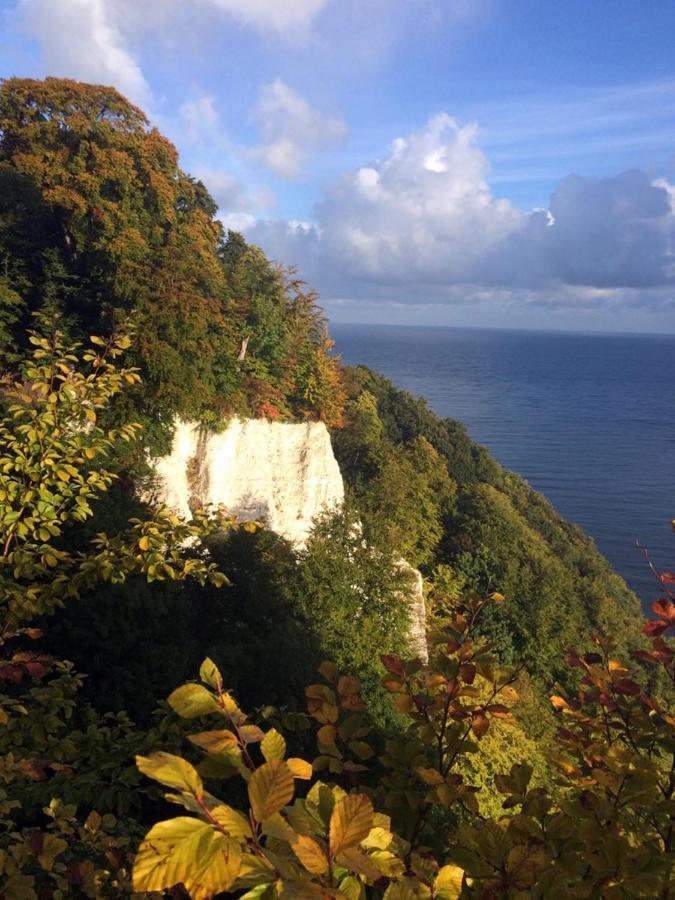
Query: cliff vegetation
(533, 755)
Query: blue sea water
(587, 419)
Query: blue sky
(474, 162)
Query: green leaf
(192, 700)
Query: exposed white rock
(281, 474)
(418, 612)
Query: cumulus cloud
(423, 220)
(291, 129)
(83, 39)
(422, 214)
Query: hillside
(131, 324)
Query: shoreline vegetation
(124, 305)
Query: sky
(502, 163)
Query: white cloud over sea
(423, 219)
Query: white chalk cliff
(281, 474)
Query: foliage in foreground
(408, 825)
(55, 462)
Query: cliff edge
(281, 474)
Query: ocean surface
(587, 419)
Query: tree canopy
(98, 220)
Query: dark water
(588, 420)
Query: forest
(267, 690)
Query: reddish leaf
(667, 577)
(392, 664)
(74, 874)
(36, 670)
(627, 687)
(468, 672)
(37, 840)
(11, 673)
(33, 633)
(654, 627)
(664, 609)
(480, 724)
(646, 656)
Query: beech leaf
(270, 789)
(350, 822)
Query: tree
(97, 220)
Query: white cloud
(198, 119)
(82, 39)
(423, 221)
(233, 196)
(275, 15)
(291, 129)
(422, 214)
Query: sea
(587, 419)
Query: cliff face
(283, 475)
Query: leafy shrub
(409, 824)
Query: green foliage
(97, 219)
(53, 455)
(409, 824)
(491, 528)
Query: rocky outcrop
(418, 611)
(281, 474)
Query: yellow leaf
(251, 734)
(232, 821)
(430, 776)
(189, 852)
(144, 543)
(559, 702)
(52, 846)
(171, 771)
(273, 745)
(311, 854)
(210, 674)
(270, 789)
(299, 768)
(402, 704)
(350, 822)
(191, 700)
(277, 827)
(359, 863)
(448, 883)
(214, 741)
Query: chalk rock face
(418, 612)
(281, 474)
